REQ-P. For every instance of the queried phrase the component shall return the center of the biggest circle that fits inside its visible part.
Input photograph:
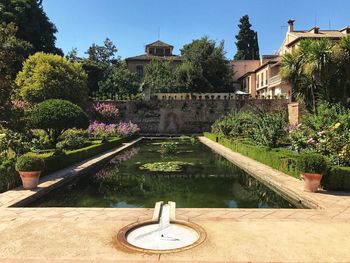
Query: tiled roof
(321, 33)
(332, 34)
(159, 43)
(150, 57)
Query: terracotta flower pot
(311, 181)
(30, 180)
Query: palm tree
(309, 70)
(342, 56)
(292, 71)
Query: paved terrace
(78, 235)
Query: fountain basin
(191, 235)
(162, 234)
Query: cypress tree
(247, 41)
(256, 54)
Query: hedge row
(337, 178)
(55, 163)
(9, 178)
(279, 159)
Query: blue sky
(131, 24)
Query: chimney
(291, 25)
(316, 30)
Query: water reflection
(210, 181)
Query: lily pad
(173, 166)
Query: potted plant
(312, 166)
(29, 168)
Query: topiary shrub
(48, 76)
(312, 163)
(56, 116)
(72, 139)
(28, 163)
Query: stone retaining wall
(184, 116)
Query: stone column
(294, 113)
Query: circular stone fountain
(162, 234)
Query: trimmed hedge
(55, 163)
(279, 158)
(9, 178)
(337, 178)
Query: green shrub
(265, 128)
(57, 162)
(29, 163)
(9, 178)
(279, 158)
(312, 163)
(337, 178)
(48, 76)
(72, 139)
(55, 116)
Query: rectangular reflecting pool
(181, 170)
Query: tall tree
(33, 24)
(160, 76)
(98, 63)
(247, 41)
(12, 53)
(104, 54)
(208, 60)
(119, 79)
(311, 70)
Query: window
(167, 52)
(139, 70)
(262, 79)
(151, 51)
(266, 78)
(159, 51)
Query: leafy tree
(247, 41)
(73, 55)
(33, 24)
(160, 76)
(311, 70)
(48, 76)
(103, 54)
(56, 116)
(190, 78)
(208, 61)
(12, 53)
(100, 58)
(95, 72)
(342, 60)
(119, 79)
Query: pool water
(191, 174)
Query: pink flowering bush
(327, 132)
(127, 128)
(105, 112)
(102, 130)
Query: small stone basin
(162, 234)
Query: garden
(49, 123)
(319, 144)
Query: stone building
(155, 50)
(264, 81)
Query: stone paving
(78, 235)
